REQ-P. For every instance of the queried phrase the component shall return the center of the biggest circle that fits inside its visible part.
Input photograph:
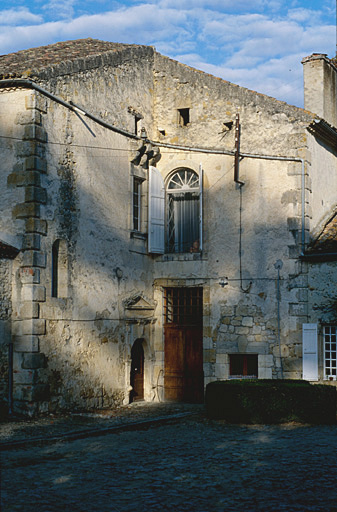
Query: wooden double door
(183, 376)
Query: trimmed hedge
(271, 401)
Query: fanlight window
(175, 211)
(183, 212)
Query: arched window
(59, 285)
(175, 211)
(183, 212)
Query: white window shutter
(201, 190)
(310, 354)
(156, 239)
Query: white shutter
(156, 240)
(201, 190)
(310, 355)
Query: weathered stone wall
(265, 238)
(322, 183)
(88, 339)
(114, 86)
(5, 327)
(70, 186)
(268, 126)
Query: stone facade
(83, 137)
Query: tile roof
(33, 60)
(326, 241)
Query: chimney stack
(320, 86)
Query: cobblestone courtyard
(190, 464)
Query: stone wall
(70, 190)
(88, 337)
(5, 327)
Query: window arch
(59, 283)
(183, 213)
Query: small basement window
(183, 116)
(243, 366)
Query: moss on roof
(32, 61)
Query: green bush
(271, 401)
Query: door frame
(183, 333)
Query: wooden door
(137, 371)
(184, 379)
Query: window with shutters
(175, 212)
(183, 212)
(330, 361)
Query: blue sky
(257, 44)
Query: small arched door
(137, 371)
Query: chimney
(320, 86)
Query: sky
(256, 44)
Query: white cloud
(304, 15)
(20, 15)
(221, 5)
(61, 9)
(255, 49)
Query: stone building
(160, 228)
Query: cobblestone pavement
(187, 464)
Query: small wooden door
(137, 371)
(184, 378)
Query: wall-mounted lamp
(223, 281)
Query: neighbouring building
(160, 228)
